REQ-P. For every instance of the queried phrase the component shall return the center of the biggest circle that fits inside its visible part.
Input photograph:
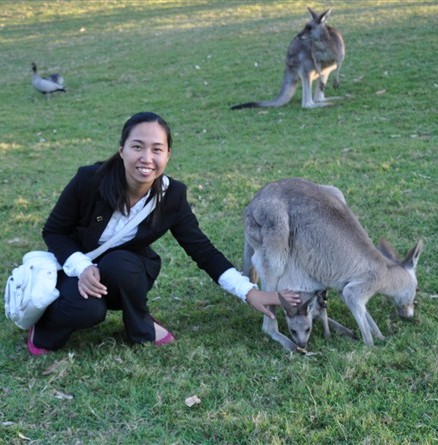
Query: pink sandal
(34, 350)
(168, 338)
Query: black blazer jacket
(81, 215)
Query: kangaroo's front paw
(288, 346)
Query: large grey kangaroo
(314, 53)
(302, 236)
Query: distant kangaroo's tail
(288, 89)
(245, 105)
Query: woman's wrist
(251, 293)
(76, 263)
(235, 283)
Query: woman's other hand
(89, 284)
(260, 300)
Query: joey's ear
(321, 293)
(324, 16)
(303, 308)
(321, 297)
(290, 310)
(411, 260)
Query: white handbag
(31, 287)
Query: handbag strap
(134, 222)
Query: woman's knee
(77, 313)
(95, 312)
(121, 267)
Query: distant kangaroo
(302, 236)
(314, 53)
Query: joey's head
(299, 319)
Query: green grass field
(190, 61)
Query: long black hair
(111, 174)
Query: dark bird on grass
(50, 84)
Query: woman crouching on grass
(96, 203)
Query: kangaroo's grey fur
(314, 53)
(302, 236)
(300, 318)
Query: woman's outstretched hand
(260, 300)
(89, 284)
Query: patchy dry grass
(190, 61)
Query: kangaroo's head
(404, 298)
(299, 319)
(315, 28)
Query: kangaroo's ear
(411, 260)
(289, 309)
(387, 250)
(313, 13)
(324, 16)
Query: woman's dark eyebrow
(154, 144)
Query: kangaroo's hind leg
(319, 95)
(341, 329)
(329, 322)
(373, 327)
(354, 297)
(307, 100)
(306, 81)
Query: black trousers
(128, 282)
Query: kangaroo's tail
(245, 105)
(288, 89)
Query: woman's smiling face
(145, 155)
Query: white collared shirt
(119, 220)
